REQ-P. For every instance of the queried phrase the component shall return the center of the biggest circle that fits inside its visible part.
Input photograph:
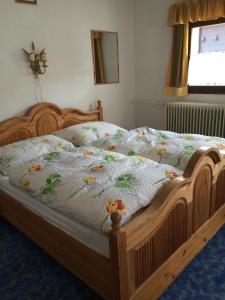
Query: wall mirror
(105, 56)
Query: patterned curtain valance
(196, 10)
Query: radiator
(200, 118)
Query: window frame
(204, 89)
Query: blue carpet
(28, 273)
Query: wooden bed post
(100, 109)
(118, 257)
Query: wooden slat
(202, 197)
(164, 242)
(220, 190)
(167, 273)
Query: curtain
(196, 10)
(178, 70)
(99, 60)
(180, 14)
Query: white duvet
(162, 146)
(89, 184)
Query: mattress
(87, 236)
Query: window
(206, 73)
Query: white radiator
(201, 118)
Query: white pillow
(90, 133)
(24, 151)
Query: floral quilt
(88, 184)
(23, 151)
(91, 133)
(162, 146)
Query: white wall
(152, 50)
(63, 28)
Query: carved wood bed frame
(146, 254)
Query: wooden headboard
(42, 119)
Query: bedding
(163, 146)
(23, 151)
(89, 184)
(88, 237)
(91, 133)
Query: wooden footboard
(158, 244)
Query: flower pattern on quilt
(34, 168)
(163, 146)
(90, 188)
(28, 150)
(25, 184)
(98, 168)
(113, 206)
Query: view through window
(207, 56)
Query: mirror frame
(93, 55)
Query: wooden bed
(148, 253)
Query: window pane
(212, 38)
(207, 57)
